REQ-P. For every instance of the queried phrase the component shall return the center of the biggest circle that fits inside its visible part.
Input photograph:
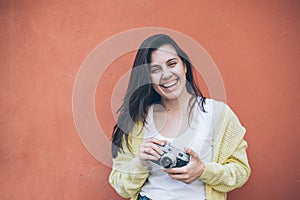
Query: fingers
(180, 174)
(154, 141)
(150, 149)
(182, 177)
(176, 170)
(189, 173)
(186, 174)
(192, 153)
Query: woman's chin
(170, 96)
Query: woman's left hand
(192, 171)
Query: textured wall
(255, 44)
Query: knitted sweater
(228, 170)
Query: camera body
(172, 157)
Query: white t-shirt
(199, 137)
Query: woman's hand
(192, 171)
(150, 150)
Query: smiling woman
(165, 115)
(167, 73)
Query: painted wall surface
(255, 45)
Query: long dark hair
(140, 93)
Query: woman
(163, 105)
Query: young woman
(163, 106)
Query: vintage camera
(172, 157)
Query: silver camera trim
(174, 154)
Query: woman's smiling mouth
(169, 83)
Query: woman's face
(167, 73)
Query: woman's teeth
(169, 84)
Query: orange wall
(255, 45)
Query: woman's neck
(179, 104)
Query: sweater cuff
(208, 172)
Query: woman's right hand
(150, 150)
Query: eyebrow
(171, 60)
(156, 65)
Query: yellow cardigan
(228, 170)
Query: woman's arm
(230, 168)
(128, 174)
(231, 174)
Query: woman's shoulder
(210, 104)
(220, 108)
(214, 101)
(216, 109)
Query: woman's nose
(166, 73)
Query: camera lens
(168, 161)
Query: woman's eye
(173, 64)
(154, 70)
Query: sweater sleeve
(128, 175)
(231, 174)
(230, 168)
